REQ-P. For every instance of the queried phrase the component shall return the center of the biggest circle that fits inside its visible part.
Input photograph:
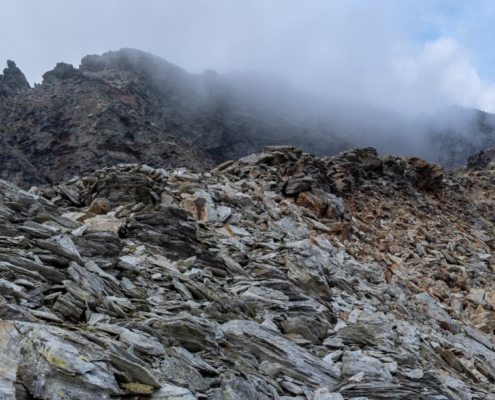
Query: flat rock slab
(275, 348)
(52, 364)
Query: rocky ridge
(278, 276)
(129, 106)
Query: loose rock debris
(278, 276)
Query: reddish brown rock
(313, 203)
(100, 206)
(428, 176)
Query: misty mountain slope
(129, 106)
(76, 122)
(457, 133)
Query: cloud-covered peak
(415, 56)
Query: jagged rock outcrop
(278, 276)
(456, 134)
(13, 81)
(481, 160)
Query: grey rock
(61, 245)
(273, 347)
(124, 362)
(355, 362)
(238, 388)
(45, 359)
(170, 392)
(324, 394)
(284, 298)
(142, 342)
(298, 185)
(176, 370)
(194, 334)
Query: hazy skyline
(415, 56)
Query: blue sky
(470, 23)
(408, 55)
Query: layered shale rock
(278, 276)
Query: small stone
(100, 206)
(170, 392)
(415, 374)
(104, 223)
(137, 388)
(324, 394)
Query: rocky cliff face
(13, 81)
(278, 276)
(132, 107)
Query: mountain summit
(129, 106)
(132, 107)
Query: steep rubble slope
(279, 276)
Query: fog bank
(410, 57)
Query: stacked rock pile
(279, 276)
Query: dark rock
(13, 81)
(481, 160)
(100, 206)
(428, 176)
(298, 185)
(158, 114)
(383, 291)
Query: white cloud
(371, 51)
(439, 76)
